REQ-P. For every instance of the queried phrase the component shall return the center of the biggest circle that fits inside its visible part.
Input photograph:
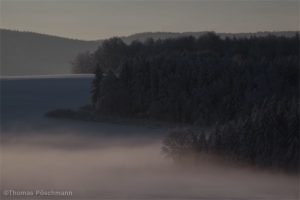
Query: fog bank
(131, 168)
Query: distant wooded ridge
(28, 53)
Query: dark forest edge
(244, 89)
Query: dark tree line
(268, 137)
(246, 88)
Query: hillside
(27, 53)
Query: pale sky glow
(97, 19)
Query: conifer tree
(95, 89)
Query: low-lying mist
(98, 167)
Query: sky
(99, 19)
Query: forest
(244, 91)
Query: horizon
(95, 20)
(152, 32)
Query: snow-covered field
(106, 160)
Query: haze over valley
(149, 99)
(108, 160)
